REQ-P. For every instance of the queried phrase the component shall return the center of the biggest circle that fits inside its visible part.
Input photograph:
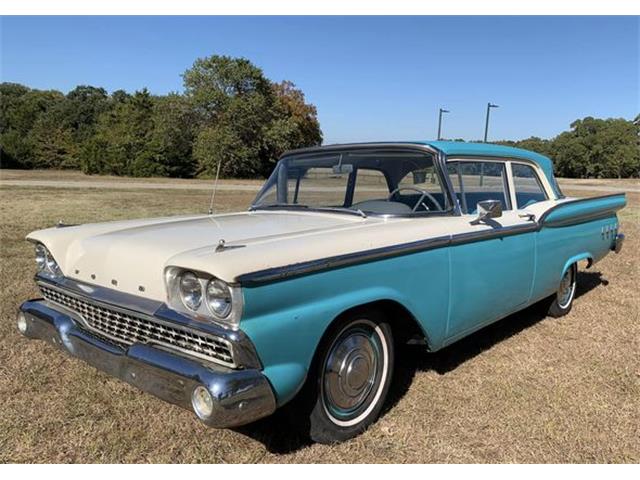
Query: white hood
(132, 254)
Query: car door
(492, 263)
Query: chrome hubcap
(567, 287)
(350, 372)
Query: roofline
(361, 145)
(513, 152)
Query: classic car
(348, 252)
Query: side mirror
(488, 209)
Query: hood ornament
(61, 224)
(222, 246)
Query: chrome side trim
(578, 219)
(303, 268)
(470, 237)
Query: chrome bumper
(239, 396)
(617, 246)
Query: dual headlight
(204, 297)
(45, 262)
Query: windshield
(384, 182)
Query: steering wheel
(423, 194)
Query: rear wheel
(562, 301)
(351, 376)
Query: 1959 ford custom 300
(346, 252)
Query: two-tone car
(347, 253)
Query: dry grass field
(526, 389)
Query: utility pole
(486, 123)
(442, 110)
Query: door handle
(529, 216)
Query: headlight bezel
(46, 263)
(204, 313)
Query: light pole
(442, 110)
(486, 123)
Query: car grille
(124, 329)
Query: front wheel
(352, 376)
(561, 302)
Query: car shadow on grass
(286, 430)
(412, 359)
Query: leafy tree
(222, 145)
(20, 108)
(119, 96)
(119, 146)
(234, 103)
(82, 108)
(592, 148)
(212, 82)
(295, 124)
(171, 141)
(534, 144)
(246, 121)
(52, 143)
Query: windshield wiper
(349, 211)
(277, 205)
(292, 206)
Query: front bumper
(239, 396)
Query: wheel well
(404, 325)
(576, 259)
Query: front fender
(286, 320)
(286, 340)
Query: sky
(371, 78)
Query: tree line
(592, 148)
(229, 114)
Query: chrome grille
(125, 329)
